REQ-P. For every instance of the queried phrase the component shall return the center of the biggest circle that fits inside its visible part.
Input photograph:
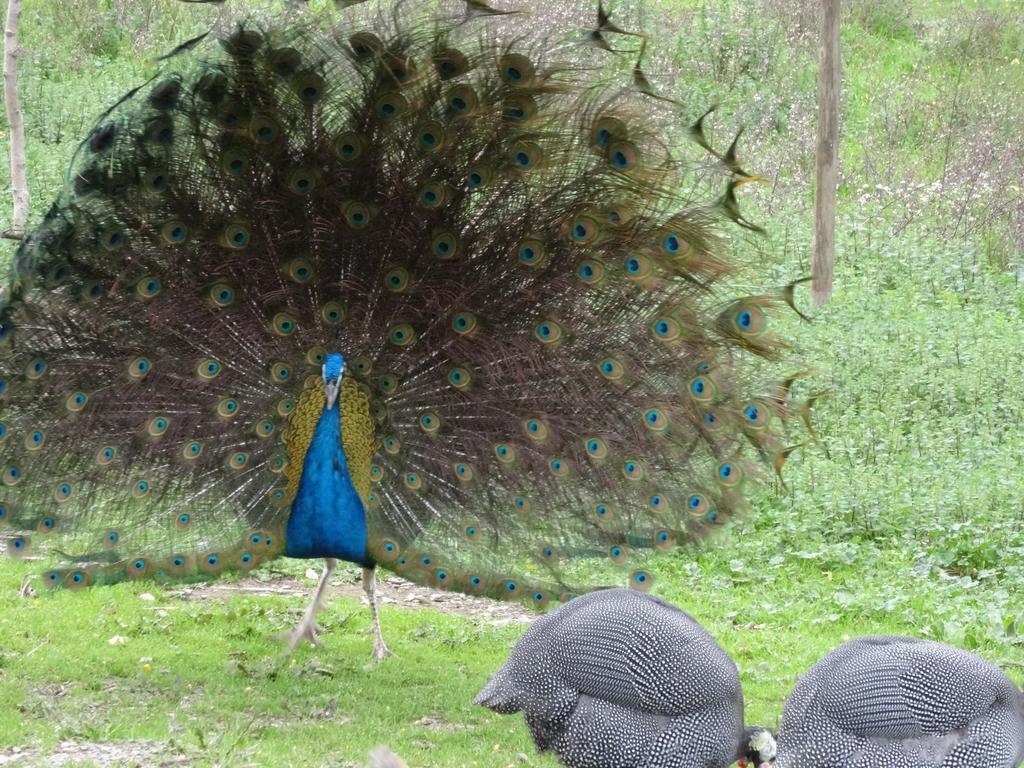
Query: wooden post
(827, 155)
(19, 183)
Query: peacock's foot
(380, 651)
(305, 630)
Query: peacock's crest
(537, 365)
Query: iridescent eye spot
(280, 372)
(76, 401)
(641, 580)
(511, 586)
(729, 474)
(35, 440)
(655, 420)
(139, 565)
(157, 426)
(506, 453)
(633, 470)
(396, 279)
(459, 377)
(697, 505)
(12, 475)
(430, 422)
(671, 244)
(596, 448)
(139, 367)
(548, 332)
(332, 313)
(238, 460)
(283, 324)
(464, 323)
(667, 329)
(531, 253)
(35, 369)
(221, 295)
(140, 489)
(536, 430)
(148, 287)
(112, 537)
(227, 407)
(749, 320)
(701, 389)
(401, 335)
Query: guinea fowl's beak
(331, 392)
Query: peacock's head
(758, 749)
(334, 367)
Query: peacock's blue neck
(327, 517)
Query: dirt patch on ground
(391, 590)
(100, 754)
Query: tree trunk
(19, 184)
(827, 155)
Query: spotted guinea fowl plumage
(621, 679)
(898, 702)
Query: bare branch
(827, 153)
(19, 182)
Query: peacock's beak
(331, 392)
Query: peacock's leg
(380, 651)
(306, 629)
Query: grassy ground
(907, 519)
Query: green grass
(908, 518)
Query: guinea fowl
(621, 679)
(899, 702)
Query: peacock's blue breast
(327, 518)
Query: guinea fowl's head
(757, 749)
(334, 367)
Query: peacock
(386, 289)
(620, 679)
(901, 702)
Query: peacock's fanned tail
(538, 366)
